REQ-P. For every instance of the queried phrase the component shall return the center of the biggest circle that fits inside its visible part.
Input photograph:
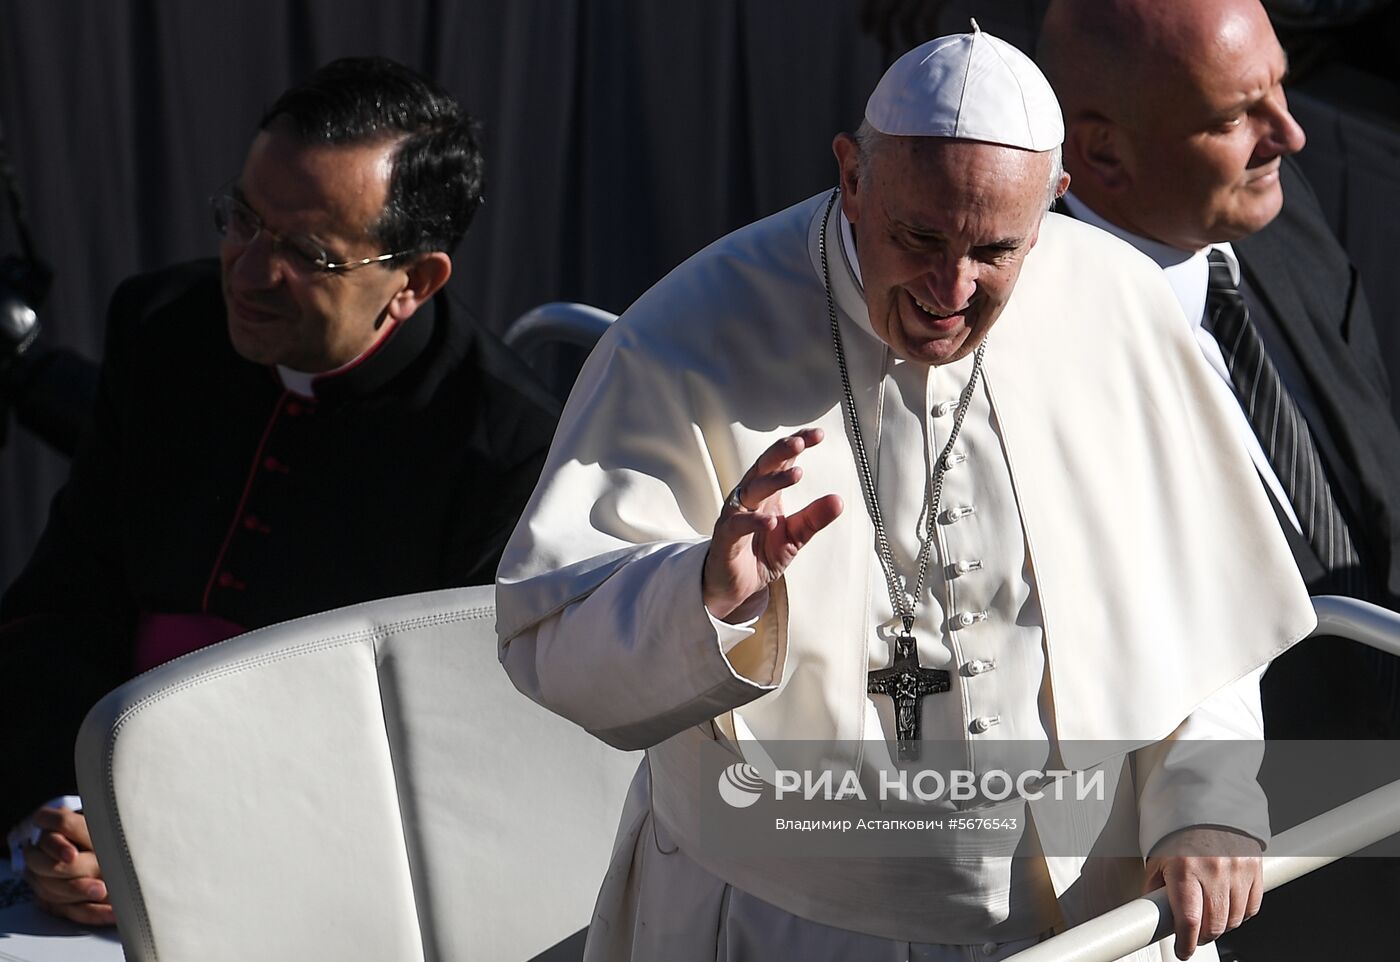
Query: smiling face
(942, 228)
(281, 311)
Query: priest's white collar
(396, 347)
(847, 288)
(848, 244)
(1188, 272)
(298, 382)
(305, 383)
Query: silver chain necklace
(904, 603)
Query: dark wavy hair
(438, 171)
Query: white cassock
(1106, 567)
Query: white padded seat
(359, 784)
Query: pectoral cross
(907, 682)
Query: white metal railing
(1345, 829)
(1358, 620)
(558, 322)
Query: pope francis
(911, 460)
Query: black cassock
(204, 487)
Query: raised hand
(754, 541)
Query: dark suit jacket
(1309, 294)
(1314, 297)
(203, 487)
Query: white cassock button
(963, 567)
(953, 459)
(956, 514)
(943, 408)
(966, 619)
(978, 665)
(985, 722)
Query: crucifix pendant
(907, 682)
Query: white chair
(360, 784)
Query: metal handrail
(558, 322)
(1358, 620)
(1345, 829)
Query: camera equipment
(51, 391)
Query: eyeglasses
(240, 224)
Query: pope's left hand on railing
(1214, 880)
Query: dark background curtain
(621, 136)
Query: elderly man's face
(1206, 148)
(942, 228)
(282, 310)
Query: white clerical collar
(848, 248)
(304, 383)
(848, 244)
(1188, 272)
(298, 382)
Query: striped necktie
(1282, 432)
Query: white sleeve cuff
(730, 635)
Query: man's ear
(1098, 152)
(848, 166)
(425, 277)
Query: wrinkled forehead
(980, 194)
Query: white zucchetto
(971, 86)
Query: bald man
(1178, 139)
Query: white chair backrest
(360, 784)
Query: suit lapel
(1265, 267)
(1329, 372)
